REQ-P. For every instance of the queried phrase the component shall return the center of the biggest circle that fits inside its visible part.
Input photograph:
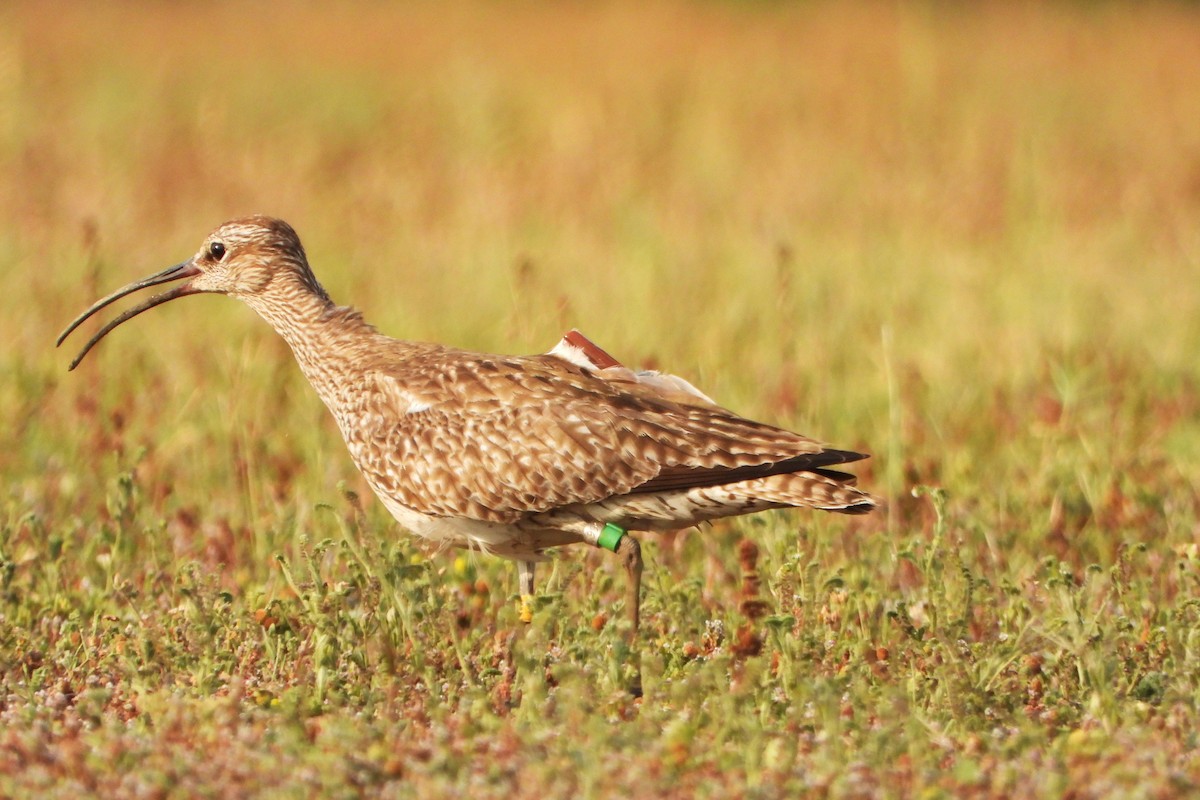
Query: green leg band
(610, 537)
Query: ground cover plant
(962, 239)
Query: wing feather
(497, 438)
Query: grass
(962, 239)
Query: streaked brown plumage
(509, 454)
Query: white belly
(489, 537)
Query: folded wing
(497, 438)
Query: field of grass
(963, 239)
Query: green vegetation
(962, 239)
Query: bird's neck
(329, 341)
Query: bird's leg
(525, 589)
(613, 537)
(630, 551)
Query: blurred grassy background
(964, 239)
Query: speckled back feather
(455, 433)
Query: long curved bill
(184, 269)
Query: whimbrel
(509, 455)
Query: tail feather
(826, 490)
(680, 508)
(841, 477)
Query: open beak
(182, 270)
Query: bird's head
(248, 258)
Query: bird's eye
(216, 251)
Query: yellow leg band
(526, 608)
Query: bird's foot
(525, 608)
(525, 581)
